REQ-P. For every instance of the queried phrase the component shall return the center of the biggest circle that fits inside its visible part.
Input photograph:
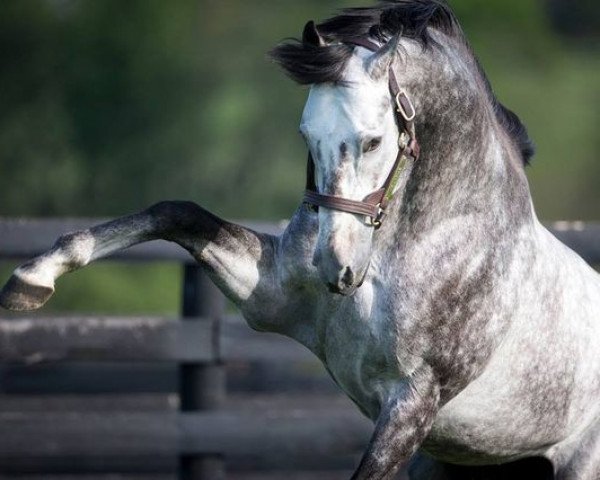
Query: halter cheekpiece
(374, 205)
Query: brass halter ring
(400, 107)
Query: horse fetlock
(19, 294)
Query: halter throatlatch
(374, 205)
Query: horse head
(359, 130)
(371, 95)
(351, 133)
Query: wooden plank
(87, 434)
(276, 437)
(291, 432)
(110, 476)
(159, 377)
(251, 405)
(112, 339)
(117, 339)
(145, 465)
(140, 402)
(297, 475)
(162, 403)
(288, 475)
(265, 475)
(153, 475)
(89, 378)
(25, 238)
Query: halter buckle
(378, 220)
(413, 113)
(403, 140)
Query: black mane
(307, 63)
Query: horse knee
(174, 215)
(170, 209)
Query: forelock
(308, 64)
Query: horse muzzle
(340, 280)
(344, 283)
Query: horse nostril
(347, 278)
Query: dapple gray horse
(437, 302)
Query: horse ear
(311, 35)
(379, 63)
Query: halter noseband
(374, 204)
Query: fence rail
(208, 430)
(139, 339)
(314, 438)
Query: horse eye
(372, 145)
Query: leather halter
(373, 205)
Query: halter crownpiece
(374, 205)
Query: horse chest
(357, 352)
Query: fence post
(202, 386)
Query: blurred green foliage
(107, 106)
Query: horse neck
(469, 169)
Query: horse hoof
(19, 295)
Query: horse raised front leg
(404, 422)
(238, 259)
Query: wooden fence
(197, 430)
